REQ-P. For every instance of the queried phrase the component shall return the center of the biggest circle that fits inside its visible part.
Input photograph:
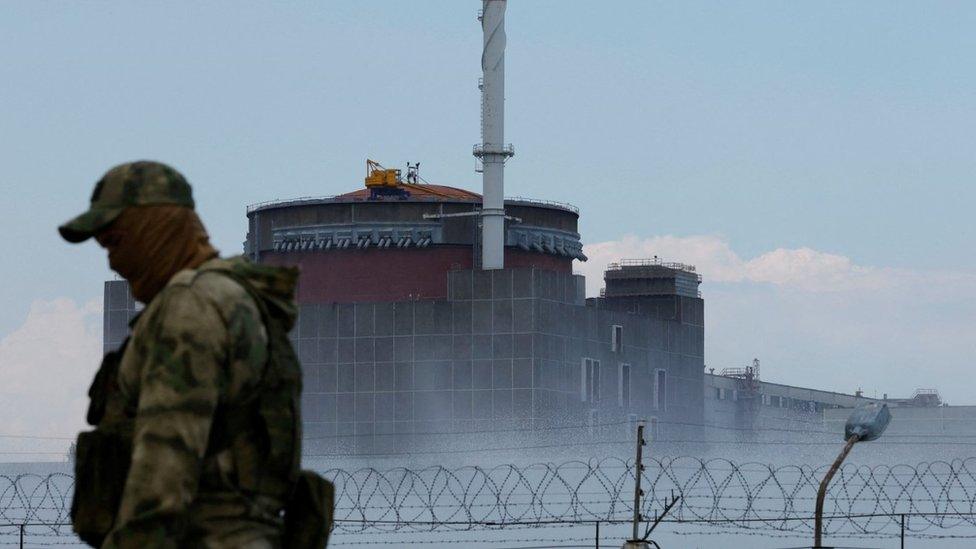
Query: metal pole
(822, 492)
(597, 545)
(903, 531)
(22, 536)
(638, 473)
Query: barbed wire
(743, 497)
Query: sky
(814, 160)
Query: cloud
(709, 253)
(819, 319)
(798, 268)
(46, 366)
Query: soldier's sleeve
(180, 384)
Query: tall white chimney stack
(492, 151)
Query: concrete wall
(462, 230)
(942, 422)
(118, 309)
(770, 410)
(376, 373)
(507, 350)
(390, 274)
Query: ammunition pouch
(102, 456)
(102, 460)
(308, 512)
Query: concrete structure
(397, 349)
(352, 248)
(515, 348)
(402, 336)
(919, 417)
(740, 407)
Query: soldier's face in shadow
(123, 251)
(147, 245)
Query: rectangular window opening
(590, 380)
(661, 389)
(616, 338)
(595, 394)
(623, 387)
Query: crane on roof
(383, 182)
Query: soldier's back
(192, 372)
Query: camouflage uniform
(198, 353)
(200, 342)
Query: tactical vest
(103, 455)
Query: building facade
(404, 339)
(509, 350)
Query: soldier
(197, 437)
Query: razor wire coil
(862, 501)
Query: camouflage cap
(142, 183)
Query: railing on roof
(749, 372)
(653, 262)
(540, 202)
(299, 200)
(603, 293)
(339, 198)
(929, 397)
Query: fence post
(597, 535)
(22, 525)
(903, 531)
(638, 469)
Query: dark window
(623, 390)
(595, 393)
(586, 378)
(590, 380)
(660, 390)
(616, 338)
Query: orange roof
(428, 192)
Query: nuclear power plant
(430, 309)
(401, 331)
